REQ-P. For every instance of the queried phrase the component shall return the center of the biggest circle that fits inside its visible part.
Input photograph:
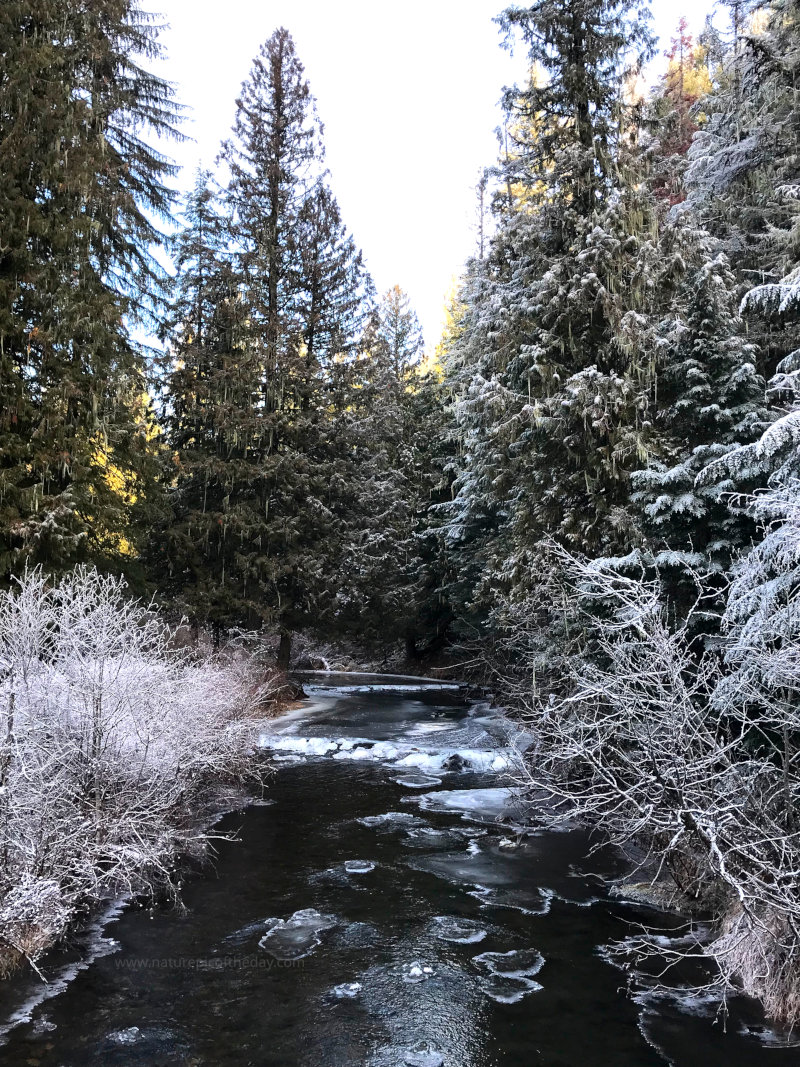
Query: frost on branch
(710, 788)
(108, 738)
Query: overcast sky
(408, 95)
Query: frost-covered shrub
(696, 755)
(108, 736)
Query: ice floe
(479, 804)
(418, 781)
(359, 866)
(391, 821)
(459, 931)
(518, 963)
(346, 991)
(423, 1056)
(507, 990)
(296, 937)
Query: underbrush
(112, 738)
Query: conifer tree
(554, 410)
(81, 185)
(259, 479)
(709, 401)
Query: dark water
(379, 967)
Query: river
(382, 907)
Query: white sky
(408, 95)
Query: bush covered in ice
(110, 737)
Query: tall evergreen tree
(258, 483)
(81, 185)
(554, 410)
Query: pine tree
(81, 184)
(709, 401)
(553, 409)
(259, 491)
(397, 420)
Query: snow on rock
(300, 746)
(432, 761)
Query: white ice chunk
(423, 1056)
(459, 931)
(298, 936)
(359, 866)
(519, 963)
(416, 972)
(346, 991)
(418, 781)
(484, 803)
(507, 990)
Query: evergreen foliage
(81, 186)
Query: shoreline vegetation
(115, 743)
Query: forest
(587, 498)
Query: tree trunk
(284, 651)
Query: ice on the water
(459, 931)
(480, 804)
(416, 972)
(423, 1056)
(507, 990)
(519, 963)
(418, 781)
(296, 937)
(391, 821)
(346, 991)
(126, 1037)
(359, 866)
(431, 837)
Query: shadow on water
(359, 920)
